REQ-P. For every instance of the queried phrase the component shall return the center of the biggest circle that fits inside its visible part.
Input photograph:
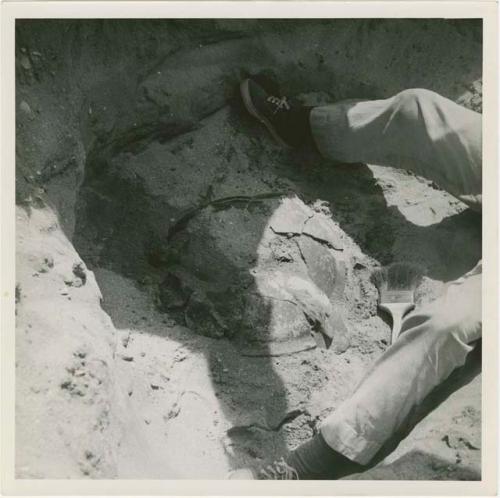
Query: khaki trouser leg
(435, 341)
(416, 129)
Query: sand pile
(191, 258)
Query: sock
(314, 459)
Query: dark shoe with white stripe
(272, 111)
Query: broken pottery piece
(271, 320)
(324, 269)
(290, 216)
(320, 227)
(291, 295)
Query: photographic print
(248, 249)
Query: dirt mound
(219, 255)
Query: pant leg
(435, 341)
(416, 129)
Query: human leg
(416, 129)
(434, 342)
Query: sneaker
(279, 470)
(270, 110)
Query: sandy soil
(159, 229)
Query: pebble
(77, 282)
(25, 62)
(127, 358)
(25, 107)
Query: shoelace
(279, 103)
(279, 470)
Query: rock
(457, 440)
(25, 62)
(282, 250)
(322, 228)
(290, 217)
(46, 264)
(80, 353)
(80, 272)
(126, 340)
(26, 109)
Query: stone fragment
(322, 228)
(26, 109)
(323, 267)
(281, 250)
(46, 264)
(336, 330)
(290, 216)
(25, 62)
(299, 308)
(79, 272)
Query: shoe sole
(247, 100)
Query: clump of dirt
(225, 263)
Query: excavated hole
(200, 258)
(208, 217)
(190, 214)
(212, 258)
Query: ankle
(314, 459)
